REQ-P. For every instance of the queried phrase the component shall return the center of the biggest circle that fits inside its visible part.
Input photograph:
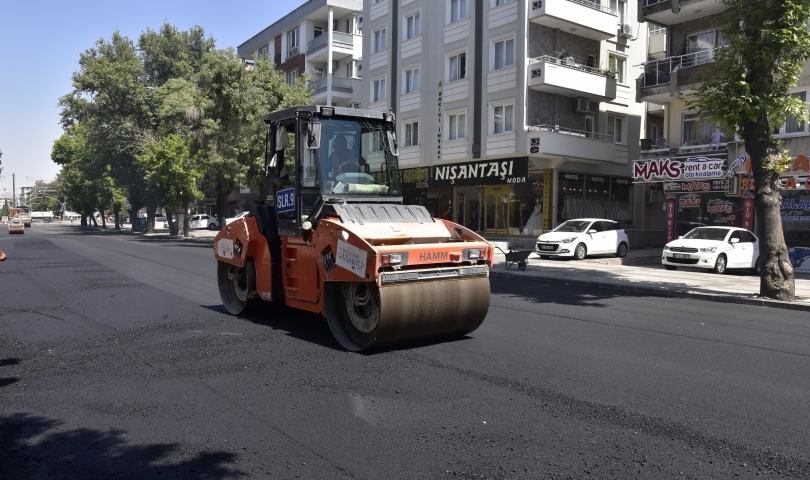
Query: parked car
(241, 215)
(713, 248)
(584, 236)
(797, 238)
(203, 221)
(15, 225)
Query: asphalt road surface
(117, 361)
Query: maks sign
(669, 169)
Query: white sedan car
(713, 248)
(203, 221)
(584, 236)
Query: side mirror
(392, 143)
(313, 135)
(734, 240)
(592, 231)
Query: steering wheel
(351, 165)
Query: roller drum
(405, 312)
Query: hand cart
(516, 256)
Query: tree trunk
(83, 221)
(186, 210)
(103, 219)
(776, 272)
(133, 214)
(151, 208)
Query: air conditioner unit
(652, 196)
(733, 186)
(627, 30)
(582, 105)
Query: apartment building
(684, 38)
(514, 115)
(322, 38)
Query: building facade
(684, 37)
(321, 38)
(513, 116)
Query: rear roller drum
(361, 314)
(236, 285)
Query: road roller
(335, 238)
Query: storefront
(496, 197)
(697, 192)
(594, 196)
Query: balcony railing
(292, 52)
(658, 72)
(337, 82)
(595, 4)
(647, 3)
(337, 37)
(570, 131)
(564, 59)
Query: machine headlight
(708, 249)
(391, 259)
(568, 240)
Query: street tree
(748, 88)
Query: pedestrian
(2, 256)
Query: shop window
(593, 196)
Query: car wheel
(621, 252)
(670, 267)
(545, 257)
(720, 265)
(580, 252)
(211, 226)
(756, 266)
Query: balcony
(660, 11)
(343, 89)
(570, 76)
(669, 76)
(585, 18)
(553, 141)
(343, 45)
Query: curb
(662, 292)
(164, 236)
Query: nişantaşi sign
(494, 172)
(662, 169)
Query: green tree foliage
(748, 87)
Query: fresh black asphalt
(118, 361)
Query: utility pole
(13, 190)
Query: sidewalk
(733, 287)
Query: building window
(793, 124)
(378, 90)
(413, 27)
(292, 42)
(350, 69)
(379, 39)
(317, 73)
(458, 67)
(504, 53)
(318, 31)
(652, 131)
(503, 118)
(290, 76)
(615, 128)
(411, 134)
(501, 2)
(696, 131)
(456, 126)
(617, 64)
(620, 7)
(589, 125)
(458, 10)
(412, 80)
(264, 52)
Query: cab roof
(292, 112)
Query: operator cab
(325, 155)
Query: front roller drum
(236, 284)
(362, 315)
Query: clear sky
(40, 43)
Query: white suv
(584, 236)
(203, 221)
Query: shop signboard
(748, 214)
(672, 218)
(696, 186)
(663, 169)
(415, 178)
(689, 201)
(492, 172)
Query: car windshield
(707, 233)
(354, 158)
(577, 226)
